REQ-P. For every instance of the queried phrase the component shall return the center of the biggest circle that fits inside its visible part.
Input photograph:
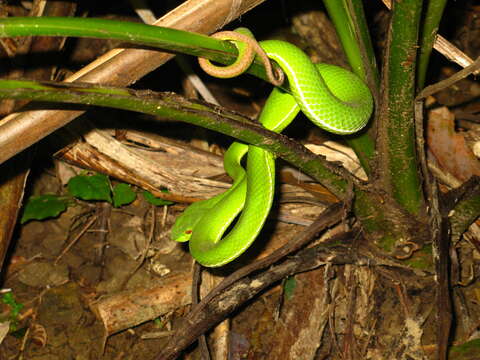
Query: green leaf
(8, 298)
(123, 195)
(156, 201)
(15, 307)
(43, 207)
(289, 287)
(93, 187)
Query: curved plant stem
(167, 39)
(175, 107)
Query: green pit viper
(333, 98)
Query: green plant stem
(175, 107)
(349, 20)
(167, 39)
(432, 18)
(397, 147)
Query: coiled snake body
(333, 98)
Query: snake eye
(188, 232)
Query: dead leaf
(449, 147)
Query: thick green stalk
(167, 39)
(349, 20)
(397, 145)
(432, 18)
(168, 105)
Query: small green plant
(148, 196)
(88, 188)
(123, 195)
(15, 309)
(43, 207)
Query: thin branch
(462, 74)
(164, 38)
(196, 279)
(431, 21)
(327, 218)
(178, 108)
(119, 67)
(202, 318)
(242, 291)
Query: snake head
(185, 236)
(182, 230)
(185, 223)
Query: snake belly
(333, 98)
